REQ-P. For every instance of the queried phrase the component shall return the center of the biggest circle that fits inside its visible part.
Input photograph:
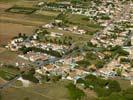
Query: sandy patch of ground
(25, 83)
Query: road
(6, 85)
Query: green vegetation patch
(5, 75)
(101, 86)
(8, 72)
(21, 10)
(30, 76)
(75, 93)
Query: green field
(8, 72)
(5, 75)
(48, 91)
(124, 83)
(47, 13)
(21, 10)
(90, 26)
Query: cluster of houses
(73, 29)
(94, 9)
(115, 33)
(45, 63)
(111, 36)
(18, 43)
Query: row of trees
(50, 51)
(21, 35)
(101, 86)
(43, 35)
(59, 40)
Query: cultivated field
(48, 91)
(48, 13)
(24, 19)
(9, 30)
(9, 57)
(1, 49)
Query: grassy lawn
(47, 13)
(75, 37)
(90, 26)
(124, 83)
(76, 18)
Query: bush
(75, 93)
(100, 64)
(30, 76)
(50, 52)
(83, 63)
(119, 50)
(102, 92)
(101, 86)
(128, 94)
(123, 95)
(114, 86)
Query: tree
(102, 92)
(30, 76)
(114, 86)
(83, 63)
(119, 71)
(128, 94)
(75, 93)
(55, 78)
(75, 1)
(19, 34)
(116, 96)
(118, 50)
(100, 64)
(45, 78)
(26, 98)
(100, 85)
(0, 96)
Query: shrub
(75, 93)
